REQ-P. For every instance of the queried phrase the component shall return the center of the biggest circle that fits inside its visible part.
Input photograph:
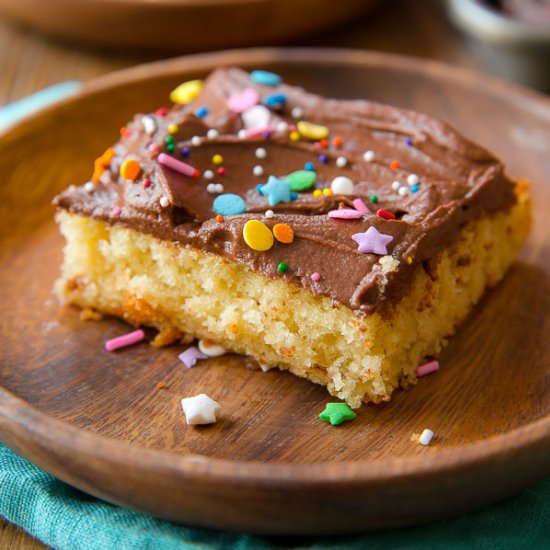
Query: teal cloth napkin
(67, 519)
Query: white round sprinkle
(426, 437)
(341, 162)
(403, 191)
(282, 127)
(211, 349)
(243, 134)
(196, 140)
(296, 112)
(211, 188)
(412, 179)
(164, 202)
(149, 124)
(212, 133)
(269, 213)
(342, 186)
(368, 156)
(260, 153)
(396, 185)
(256, 117)
(208, 174)
(219, 187)
(258, 170)
(89, 186)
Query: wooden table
(31, 61)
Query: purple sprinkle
(267, 134)
(323, 158)
(185, 152)
(409, 141)
(190, 356)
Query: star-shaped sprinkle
(336, 413)
(200, 409)
(372, 241)
(276, 191)
(190, 356)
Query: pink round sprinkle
(221, 171)
(125, 340)
(177, 165)
(427, 368)
(116, 211)
(360, 205)
(315, 277)
(154, 148)
(239, 103)
(258, 131)
(345, 214)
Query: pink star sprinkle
(372, 241)
(190, 357)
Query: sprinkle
(409, 141)
(327, 192)
(178, 166)
(403, 191)
(161, 111)
(264, 131)
(130, 169)
(89, 186)
(256, 118)
(170, 147)
(341, 185)
(219, 218)
(385, 214)
(242, 134)
(315, 277)
(341, 162)
(396, 185)
(172, 129)
(345, 214)
(312, 131)
(212, 133)
(217, 159)
(309, 166)
(190, 357)
(360, 205)
(153, 147)
(323, 143)
(409, 260)
(301, 180)
(282, 127)
(185, 152)
(125, 340)
(257, 235)
(247, 98)
(276, 190)
(372, 241)
(102, 163)
(336, 413)
(201, 112)
(426, 437)
(373, 199)
(149, 124)
(368, 156)
(260, 153)
(427, 368)
(412, 179)
(164, 202)
(415, 188)
(220, 171)
(395, 165)
(337, 141)
(258, 170)
(186, 92)
(196, 141)
(323, 158)
(208, 174)
(282, 267)
(283, 233)
(265, 78)
(294, 135)
(200, 409)
(269, 213)
(275, 101)
(169, 139)
(229, 205)
(211, 349)
(296, 112)
(116, 211)
(317, 193)
(214, 188)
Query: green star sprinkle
(336, 413)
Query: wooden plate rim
(52, 432)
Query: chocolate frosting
(457, 181)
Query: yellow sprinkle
(327, 191)
(186, 92)
(217, 159)
(294, 135)
(172, 129)
(312, 131)
(317, 193)
(257, 235)
(409, 260)
(130, 169)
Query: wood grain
(98, 420)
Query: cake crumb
(89, 314)
(167, 336)
(162, 385)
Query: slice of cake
(343, 241)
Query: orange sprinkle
(219, 218)
(283, 233)
(102, 162)
(395, 165)
(337, 141)
(324, 142)
(130, 169)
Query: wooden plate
(183, 25)
(98, 421)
